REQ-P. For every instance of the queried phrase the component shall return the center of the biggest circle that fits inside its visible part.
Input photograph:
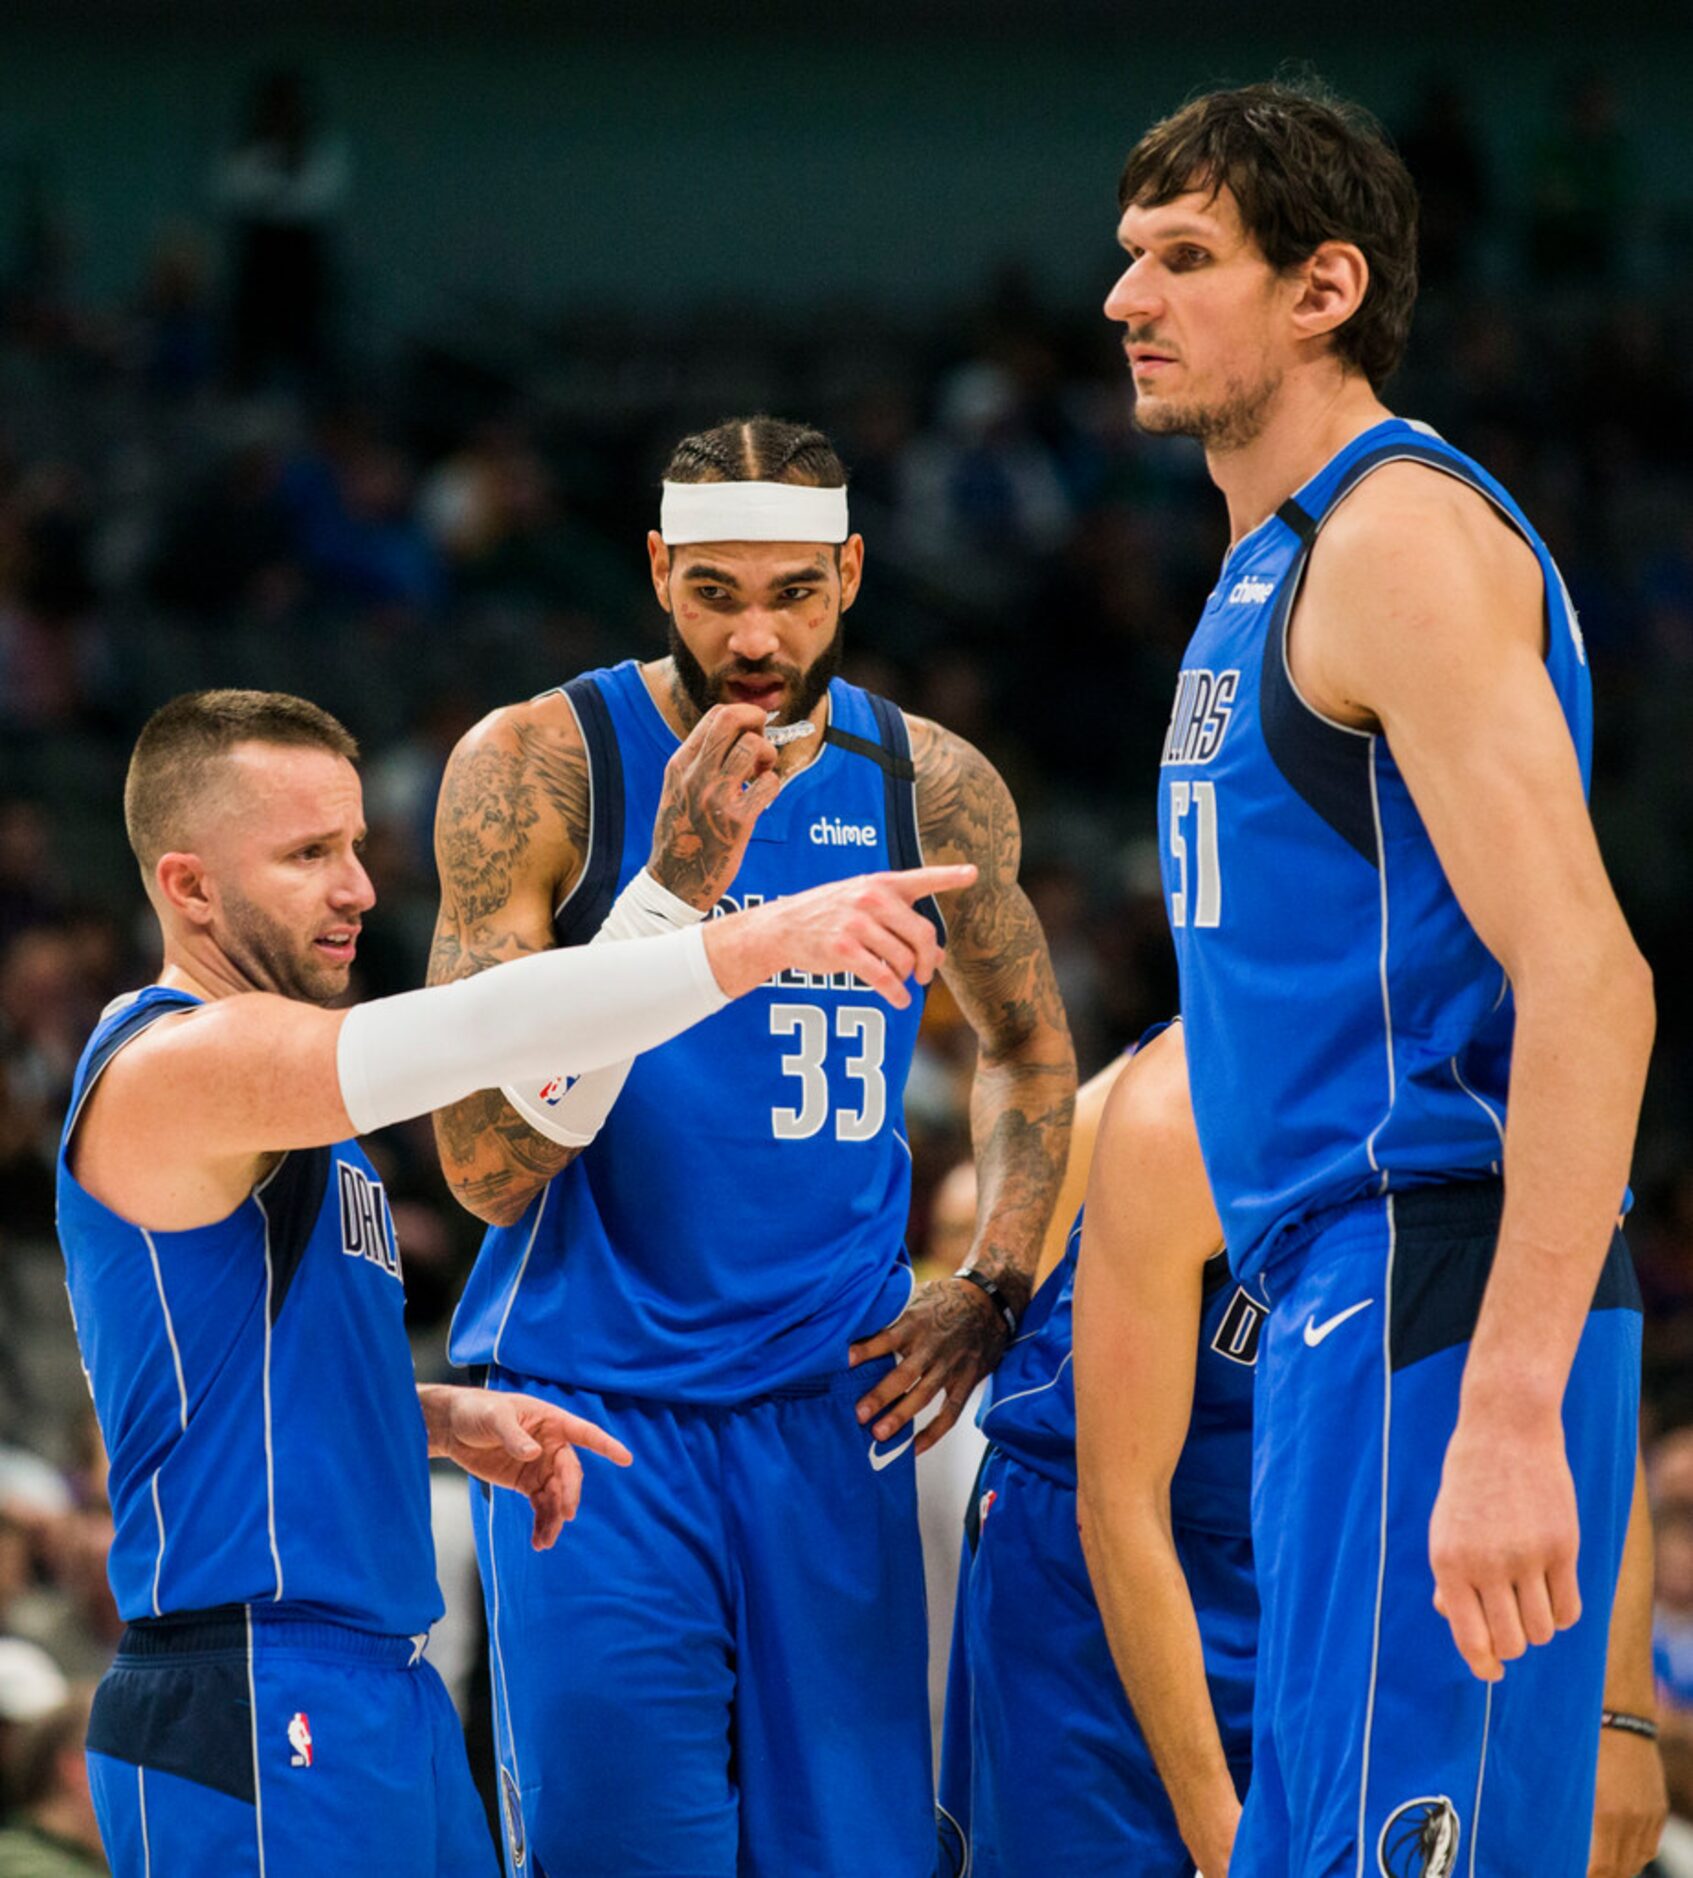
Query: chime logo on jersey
(1200, 717)
(1251, 590)
(1420, 1839)
(1237, 1335)
(300, 1740)
(365, 1231)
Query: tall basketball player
(725, 1671)
(1417, 1026)
(235, 1282)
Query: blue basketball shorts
(1043, 1766)
(1375, 1749)
(720, 1670)
(223, 1742)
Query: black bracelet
(995, 1296)
(1641, 1725)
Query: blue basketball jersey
(1348, 1032)
(254, 1386)
(1031, 1413)
(740, 1217)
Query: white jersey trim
(253, 1714)
(1381, 1554)
(523, 1266)
(146, 1840)
(270, 1444)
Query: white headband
(751, 512)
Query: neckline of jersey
(1274, 518)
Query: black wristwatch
(995, 1294)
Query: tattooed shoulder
(964, 810)
(512, 820)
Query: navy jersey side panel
(741, 1215)
(1348, 1031)
(254, 1387)
(1031, 1413)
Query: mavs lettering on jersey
(1348, 1032)
(740, 1218)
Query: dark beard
(702, 689)
(1231, 425)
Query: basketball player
(235, 1282)
(1390, 914)
(725, 1671)
(1043, 1765)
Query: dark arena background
(390, 435)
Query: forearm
(1578, 1068)
(1154, 1636)
(587, 1008)
(435, 1400)
(1020, 1111)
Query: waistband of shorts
(853, 1382)
(1433, 1210)
(227, 1629)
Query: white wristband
(589, 1007)
(572, 1113)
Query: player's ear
(180, 880)
(658, 558)
(1333, 283)
(851, 564)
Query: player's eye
(793, 595)
(713, 596)
(312, 851)
(1188, 257)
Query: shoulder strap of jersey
(1327, 763)
(584, 909)
(891, 752)
(125, 1028)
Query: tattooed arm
(510, 830)
(997, 967)
(510, 835)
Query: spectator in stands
(52, 1833)
(284, 185)
(1670, 1478)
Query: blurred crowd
(223, 481)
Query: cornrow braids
(759, 449)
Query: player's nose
(354, 891)
(1131, 300)
(754, 636)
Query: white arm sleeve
(572, 1113)
(587, 1007)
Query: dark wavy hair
(1304, 167)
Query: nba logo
(300, 1740)
(986, 1507)
(553, 1092)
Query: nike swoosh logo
(879, 1461)
(1315, 1332)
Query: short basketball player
(235, 1281)
(724, 1672)
(1416, 1022)
(1044, 1766)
